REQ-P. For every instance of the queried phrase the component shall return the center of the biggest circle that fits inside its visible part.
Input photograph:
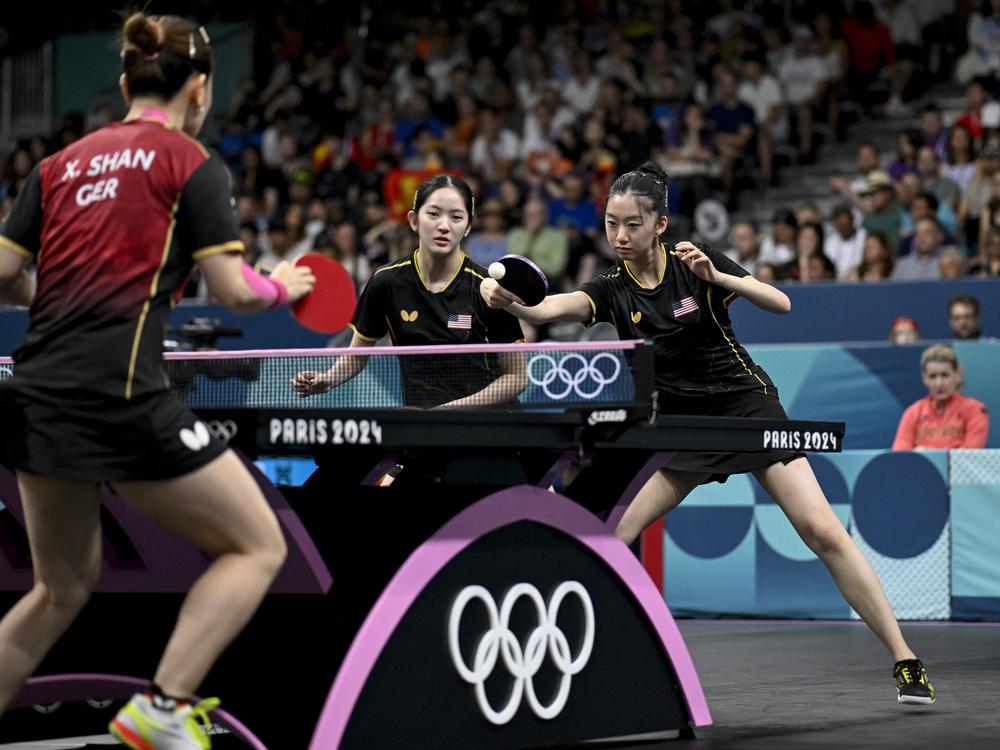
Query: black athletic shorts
(740, 404)
(79, 434)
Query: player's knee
(65, 596)
(826, 538)
(271, 551)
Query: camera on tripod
(198, 334)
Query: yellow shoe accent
(198, 722)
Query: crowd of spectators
(540, 107)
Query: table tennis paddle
(329, 307)
(522, 277)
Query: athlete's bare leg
(660, 495)
(220, 508)
(64, 529)
(795, 489)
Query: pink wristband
(268, 289)
(282, 290)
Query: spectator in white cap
(884, 214)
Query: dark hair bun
(654, 170)
(143, 32)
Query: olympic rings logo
(558, 379)
(522, 662)
(225, 430)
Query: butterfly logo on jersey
(636, 317)
(409, 317)
(196, 437)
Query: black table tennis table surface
(301, 430)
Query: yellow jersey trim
(152, 293)
(14, 247)
(359, 334)
(234, 246)
(663, 271)
(593, 308)
(401, 264)
(730, 342)
(477, 275)
(416, 266)
(733, 295)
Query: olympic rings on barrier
(522, 662)
(573, 380)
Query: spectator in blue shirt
(733, 122)
(574, 208)
(417, 119)
(669, 104)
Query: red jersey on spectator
(963, 423)
(869, 47)
(374, 139)
(973, 122)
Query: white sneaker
(142, 726)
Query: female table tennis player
(680, 299)
(115, 223)
(432, 297)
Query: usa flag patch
(685, 306)
(463, 322)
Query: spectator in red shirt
(975, 96)
(871, 53)
(945, 418)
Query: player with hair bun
(115, 224)
(678, 298)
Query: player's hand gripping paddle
(520, 276)
(330, 305)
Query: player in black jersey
(678, 297)
(115, 223)
(433, 298)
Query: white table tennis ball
(497, 270)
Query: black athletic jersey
(397, 302)
(115, 222)
(687, 319)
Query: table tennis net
(515, 376)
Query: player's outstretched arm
(759, 293)
(310, 382)
(763, 295)
(239, 288)
(556, 308)
(512, 381)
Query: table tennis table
(465, 603)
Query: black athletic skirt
(741, 404)
(79, 434)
